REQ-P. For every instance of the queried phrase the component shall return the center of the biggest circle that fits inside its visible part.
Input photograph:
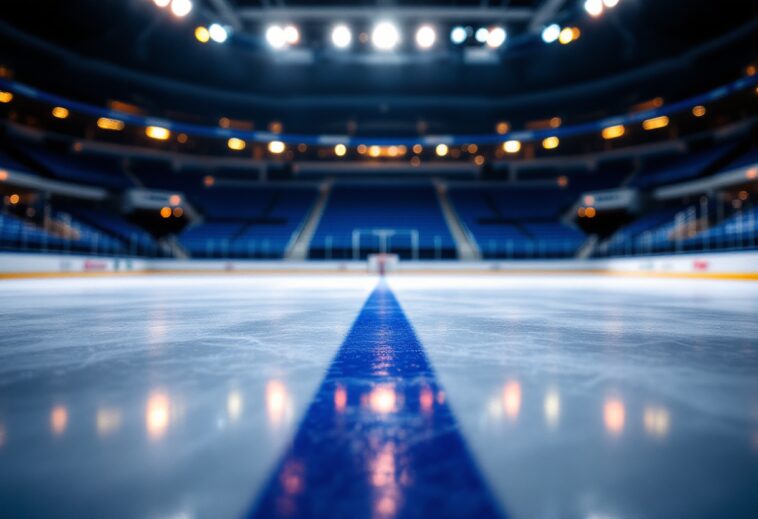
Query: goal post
(385, 237)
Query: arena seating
(518, 222)
(92, 170)
(62, 233)
(132, 237)
(399, 209)
(246, 222)
(660, 171)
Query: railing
(689, 231)
(64, 236)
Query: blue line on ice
(379, 439)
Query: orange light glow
(3, 175)
(441, 150)
(157, 415)
(655, 123)
(236, 144)
(699, 111)
(614, 132)
(165, 212)
(60, 112)
(208, 181)
(551, 143)
(58, 420)
(106, 123)
(590, 212)
(178, 212)
(566, 36)
(14, 199)
(502, 128)
(5, 97)
(157, 133)
(512, 399)
(383, 399)
(614, 416)
(751, 174)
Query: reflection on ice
(656, 420)
(512, 399)
(426, 400)
(340, 398)
(384, 479)
(107, 421)
(552, 407)
(234, 405)
(157, 415)
(278, 404)
(58, 420)
(614, 416)
(383, 399)
(379, 440)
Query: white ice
(580, 397)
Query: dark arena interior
(379, 259)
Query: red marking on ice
(700, 265)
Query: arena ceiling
(93, 49)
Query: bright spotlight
(425, 37)
(512, 146)
(594, 7)
(291, 35)
(276, 147)
(496, 37)
(276, 37)
(482, 34)
(162, 3)
(551, 33)
(385, 36)
(218, 33)
(202, 35)
(610, 4)
(458, 35)
(181, 8)
(341, 37)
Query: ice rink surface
(229, 396)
